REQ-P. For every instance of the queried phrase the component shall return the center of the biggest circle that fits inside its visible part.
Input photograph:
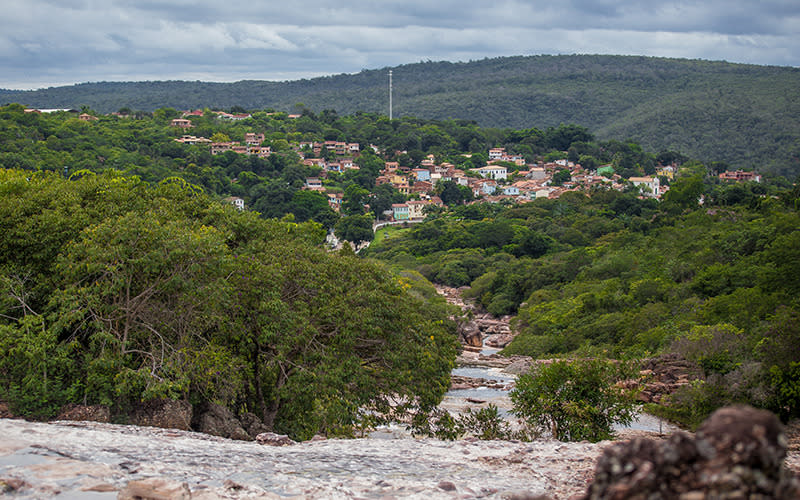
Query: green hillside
(745, 115)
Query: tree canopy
(114, 292)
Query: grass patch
(388, 232)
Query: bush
(691, 404)
(575, 400)
(542, 345)
(716, 348)
(485, 424)
(786, 382)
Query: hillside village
(505, 177)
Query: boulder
(470, 334)
(519, 366)
(252, 424)
(217, 420)
(446, 486)
(737, 452)
(155, 489)
(272, 439)
(500, 340)
(665, 374)
(85, 413)
(164, 413)
(5, 412)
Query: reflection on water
(484, 373)
(457, 400)
(482, 393)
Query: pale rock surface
(101, 461)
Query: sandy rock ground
(95, 460)
(89, 460)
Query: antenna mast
(390, 94)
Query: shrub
(575, 400)
(486, 423)
(691, 404)
(786, 382)
(437, 423)
(717, 348)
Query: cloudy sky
(60, 42)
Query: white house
(651, 183)
(495, 172)
(236, 202)
(496, 153)
(487, 187)
(416, 208)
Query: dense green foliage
(114, 292)
(744, 115)
(145, 146)
(614, 275)
(121, 281)
(575, 401)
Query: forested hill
(745, 115)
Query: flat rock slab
(104, 461)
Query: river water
(459, 400)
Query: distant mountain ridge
(745, 115)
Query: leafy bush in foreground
(575, 400)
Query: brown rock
(12, 484)
(446, 486)
(470, 334)
(500, 340)
(252, 424)
(164, 413)
(519, 366)
(85, 413)
(738, 452)
(5, 412)
(155, 489)
(217, 420)
(100, 487)
(742, 435)
(272, 439)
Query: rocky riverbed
(90, 460)
(73, 460)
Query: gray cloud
(48, 42)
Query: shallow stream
(459, 400)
